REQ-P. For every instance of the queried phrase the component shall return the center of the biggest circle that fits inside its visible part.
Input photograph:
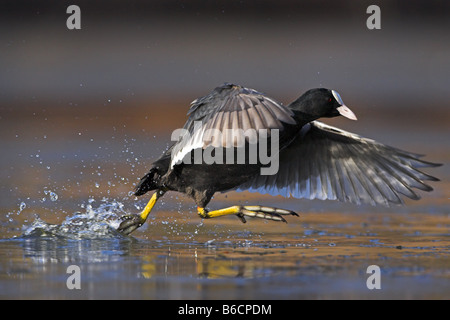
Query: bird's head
(322, 103)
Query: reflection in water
(150, 260)
(46, 250)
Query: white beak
(346, 112)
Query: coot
(307, 158)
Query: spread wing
(328, 163)
(227, 117)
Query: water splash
(52, 195)
(94, 223)
(22, 206)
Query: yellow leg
(148, 208)
(134, 221)
(249, 211)
(217, 213)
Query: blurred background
(84, 112)
(147, 50)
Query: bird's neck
(302, 111)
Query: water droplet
(53, 196)
(22, 206)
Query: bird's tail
(147, 183)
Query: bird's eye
(329, 100)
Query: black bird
(315, 160)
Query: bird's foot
(267, 213)
(130, 223)
(133, 221)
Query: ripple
(99, 223)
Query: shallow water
(178, 256)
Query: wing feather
(230, 107)
(324, 162)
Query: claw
(241, 217)
(130, 223)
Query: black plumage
(315, 160)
